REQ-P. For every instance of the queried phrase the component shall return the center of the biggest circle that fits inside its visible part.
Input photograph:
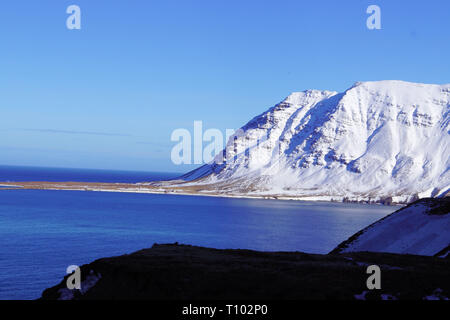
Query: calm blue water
(43, 232)
(13, 173)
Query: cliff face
(373, 141)
(179, 272)
(422, 227)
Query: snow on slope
(421, 228)
(373, 141)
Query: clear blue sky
(110, 95)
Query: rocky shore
(182, 188)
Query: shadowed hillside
(181, 272)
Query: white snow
(375, 140)
(410, 230)
(361, 296)
(388, 297)
(90, 281)
(436, 295)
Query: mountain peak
(377, 139)
(397, 85)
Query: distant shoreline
(171, 190)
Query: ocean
(43, 232)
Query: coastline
(189, 272)
(177, 190)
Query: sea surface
(20, 174)
(43, 232)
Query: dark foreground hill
(181, 272)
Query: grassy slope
(187, 272)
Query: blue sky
(110, 95)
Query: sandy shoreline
(172, 189)
(136, 188)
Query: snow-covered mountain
(375, 140)
(420, 228)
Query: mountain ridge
(375, 140)
(419, 228)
